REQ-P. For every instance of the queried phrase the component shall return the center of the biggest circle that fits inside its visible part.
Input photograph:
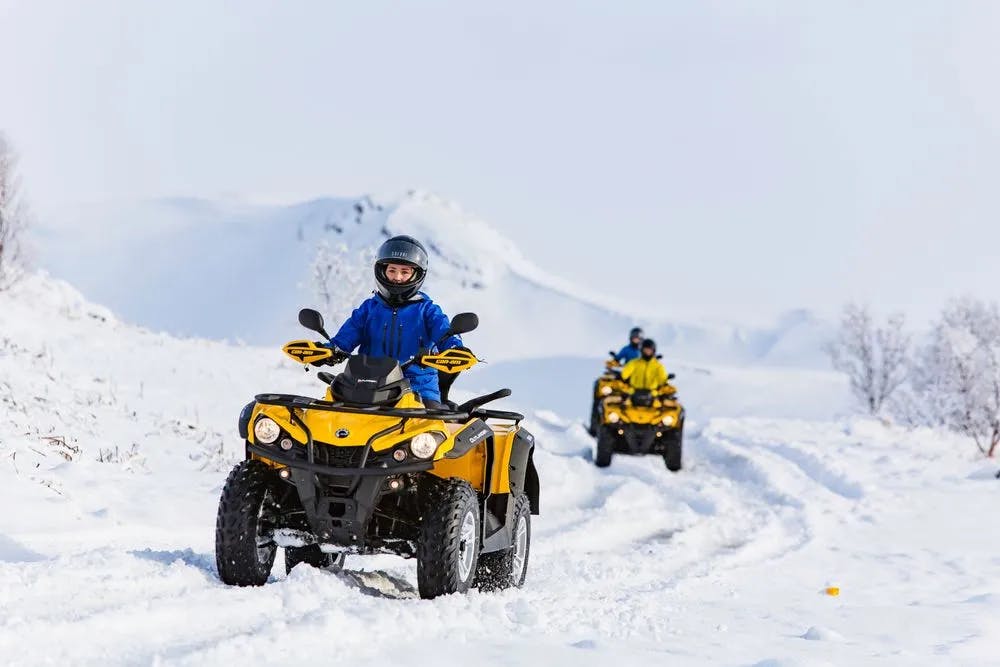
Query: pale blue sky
(729, 156)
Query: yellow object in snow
(832, 590)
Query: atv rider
(645, 372)
(630, 351)
(399, 320)
(626, 354)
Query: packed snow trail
(724, 563)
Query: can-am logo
(479, 436)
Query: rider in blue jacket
(399, 320)
(631, 351)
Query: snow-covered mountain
(114, 443)
(218, 270)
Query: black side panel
(523, 476)
(531, 486)
(473, 434)
(519, 454)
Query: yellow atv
(370, 469)
(641, 421)
(603, 386)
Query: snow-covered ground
(783, 496)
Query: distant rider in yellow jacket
(645, 372)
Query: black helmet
(636, 332)
(650, 344)
(400, 250)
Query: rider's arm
(437, 324)
(661, 375)
(628, 370)
(351, 331)
(620, 357)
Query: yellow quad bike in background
(641, 421)
(603, 386)
(370, 469)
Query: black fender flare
(523, 474)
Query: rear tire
(507, 568)
(605, 448)
(244, 544)
(448, 548)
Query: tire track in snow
(612, 555)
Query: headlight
(423, 445)
(668, 420)
(605, 390)
(266, 430)
(613, 417)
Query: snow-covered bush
(340, 279)
(955, 378)
(130, 459)
(13, 217)
(873, 357)
(213, 455)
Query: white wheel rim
(520, 549)
(467, 545)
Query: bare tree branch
(874, 358)
(13, 217)
(957, 374)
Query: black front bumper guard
(642, 438)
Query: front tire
(605, 447)
(448, 549)
(674, 451)
(507, 568)
(244, 544)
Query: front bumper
(338, 501)
(643, 438)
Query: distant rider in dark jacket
(399, 320)
(631, 351)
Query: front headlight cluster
(605, 390)
(266, 431)
(423, 445)
(614, 417)
(668, 420)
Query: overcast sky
(724, 156)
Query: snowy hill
(241, 272)
(114, 442)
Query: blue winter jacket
(627, 354)
(379, 329)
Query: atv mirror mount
(313, 321)
(460, 324)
